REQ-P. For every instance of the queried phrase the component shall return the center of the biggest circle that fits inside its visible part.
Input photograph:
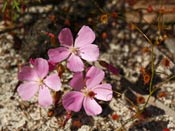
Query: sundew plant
(85, 90)
(106, 64)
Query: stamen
(40, 82)
(74, 50)
(88, 93)
(91, 94)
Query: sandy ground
(124, 52)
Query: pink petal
(27, 90)
(41, 66)
(72, 101)
(90, 52)
(91, 107)
(75, 64)
(109, 67)
(103, 92)
(44, 98)
(85, 36)
(58, 54)
(52, 65)
(65, 37)
(53, 82)
(27, 74)
(94, 76)
(113, 69)
(77, 81)
(32, 61)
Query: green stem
(152, 77)
(144, 106)
(168, 79)
(152, 68)
(4, 6)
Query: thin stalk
(168, 79)
(144, 106)
(149, 41)
(152, 69)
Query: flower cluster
(85, 88)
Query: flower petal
(65, 37)
(27, 74)
(44, 98)
(53, 81)
(58, 54)
(85, 36)
(90, 52)
(41, 66)
(77, 81)
(27, 90)
(32, 61)
(103, 92)
(91, 107)
(72, 101)
(75, 64)
(52, 65)
(94, 76)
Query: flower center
(74, 50)
(88, 93)
(40, 82)
(91, 94)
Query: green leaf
(4, 6)
(16, 5)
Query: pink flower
(82, 48)
(86, 92)
(35, 78)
